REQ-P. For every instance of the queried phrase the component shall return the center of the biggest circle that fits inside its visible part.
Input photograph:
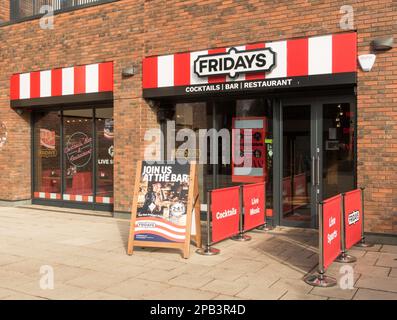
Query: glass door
(299, 161)
(318, 144)
(338, 146)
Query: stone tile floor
(87, 254)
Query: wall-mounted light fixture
(128, 72)
(382, 44)
(367, 61)
(19, 111)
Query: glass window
(67, 137)
(195, 116)
(254, 115)
(78, 153)
(338, 150)
(104, 153)
(47, 164)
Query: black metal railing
(21, 9)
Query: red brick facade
(4, 10)
(126, 31)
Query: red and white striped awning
(307, 57)
(77, 80)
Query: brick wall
(4, 10)
(128, 30)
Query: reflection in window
(47, 154)
(105, 153)
(78, 153)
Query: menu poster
(162, 212)
(249, 161)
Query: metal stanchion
(320, 279)
(241, 236)
(265, 226)
(362, 243)
(208, 250)
(344, 257)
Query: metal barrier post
(241, 236)
(320, 279)
(265, 226)
(344, 257)
(362, 243)
(208, 250)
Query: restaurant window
(47, 157)
(73, 155)
(253, 116)
(104, 152)
(78, 154)
(227, 115)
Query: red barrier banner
(225, 208)
(254, 205)
(332, 212)
(353, 218)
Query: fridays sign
(235, 62)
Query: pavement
(86, 255)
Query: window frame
(65, 203)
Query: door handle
(313, 171)
(318, 172)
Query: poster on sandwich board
(166, 207)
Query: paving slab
(393, 273)
(257, 292)
(372, 271)
(98, 295)
(376, 283)
(367, 294)
(180, 293)
(389, 249)
(387, 260)
(334, 292)
(293, 286)
(137, 289)
(97, 280)
(225, 287)
(190, 281)
(300, 296)
(60, 291)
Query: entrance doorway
(317, 155)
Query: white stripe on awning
(68, 81)
(45, 83)
(24, 86)
(165, 72)
(280, 70)
(320, 55)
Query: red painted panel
(182, 69)
(14, 87)
(106, 77)
(297, 57)
(79, 80)
(344, 52)
(56, 82)
(150, 77)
